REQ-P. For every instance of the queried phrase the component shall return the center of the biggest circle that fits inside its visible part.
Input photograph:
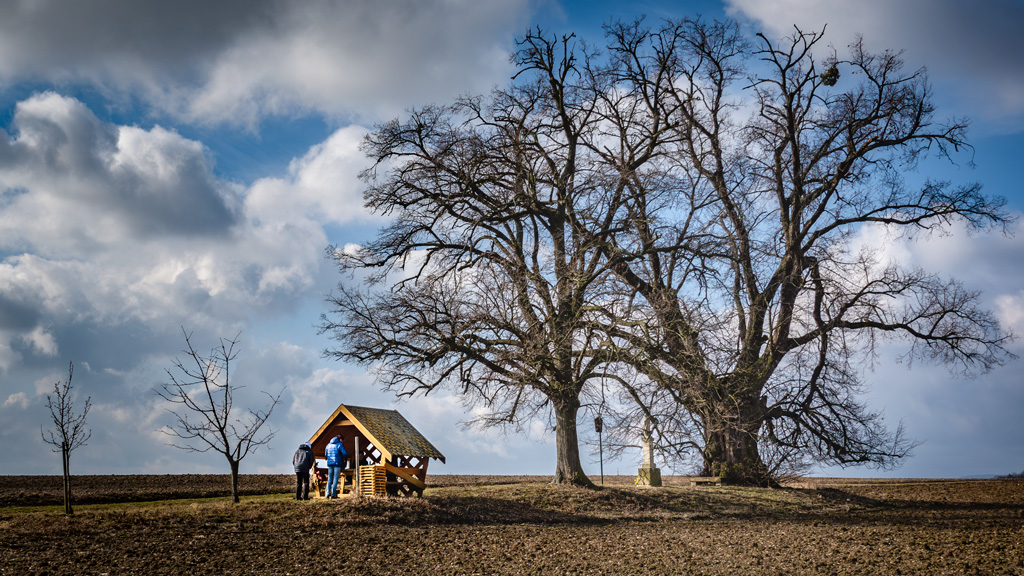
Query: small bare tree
(69, 431)
(204, 397)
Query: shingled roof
(388, 430)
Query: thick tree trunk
(234, 481)
(568, 469)
(65, 455)
(732, 455)
(730, 445)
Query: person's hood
(334, 441)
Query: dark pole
(599, 426)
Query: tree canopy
(677, 214)
(758, 300)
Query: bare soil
(49, 490)
(513, 525)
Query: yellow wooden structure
(396, 451)
(372, 480)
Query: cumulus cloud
(322, 186)
(316, 396)
(969, 48)
(74, 186)
(238, 61)
(438, 412)
(109, 226)
(18, 399)
(42, 341)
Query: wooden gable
(385, 438)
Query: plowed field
(516, 525)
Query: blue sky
(164, 167)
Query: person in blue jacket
(337, 458)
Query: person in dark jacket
(337, 458)
(302, 462)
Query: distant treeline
(1017, 475)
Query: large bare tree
(205, 415)
(740, 244)
(679, 216)
(69, 431)
(482, 281)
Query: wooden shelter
(393, 455)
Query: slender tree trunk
(234, 481)
(65, 455)
(568, 469)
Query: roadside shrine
(392, 454)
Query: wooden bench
(318, 482)
(705, 481)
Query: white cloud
(42, 341)
(111, 225)
(8, 357)
(539, 431)
(74, 186)
(44, 385)
(442, 416)
(880, 242)
(351, 249)
(1010, 311)
(322, 186)
(19, 399)
(951, 413)
(138, 419)
(102, 262)
(239, 61)
(989, 261)
(317, 396)
(359, 58)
